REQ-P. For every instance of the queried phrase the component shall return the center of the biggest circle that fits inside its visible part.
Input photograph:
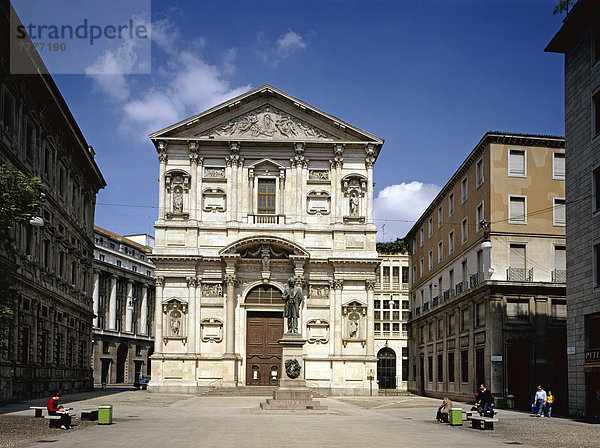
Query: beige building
(488, 274)
(123, 300)
(48, 346)
(254, 191)
(391, 309)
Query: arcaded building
(49, 344)
(252, 192)
(579, 40)
(488, 275)
(123, 298)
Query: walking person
(540, 400)
(55, 409)
(549, 403)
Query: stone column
(192, 282)
(230, 281)
(337, 323)
(96, 296)
(158, 315)
(251, 210)
(129, 307)
(299, 192)
(339, 198)
(112, 305)
(144, 311)
(193, 205)
(369, 161)
(281, 192)
(370, 287)
(162, 158)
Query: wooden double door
(263, 351)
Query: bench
(468, 415)
(38, 410)
(483, 422)
(89, 414)
(54, 421)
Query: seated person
(55, 409)
(485, 402)
(443, 410)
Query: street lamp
(37, 221)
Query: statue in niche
(292, 296)
(178, 201)
(175, 323)
(353, 325)
(265, 255)
(353, 204)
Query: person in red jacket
(55, 409)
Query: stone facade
(579, 40)
(49, 344)
(391, 317)
(252, 192)
(123, 309)
(488, 274)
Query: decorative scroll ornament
(268, 122)
(292, 368)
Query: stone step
(393, 393)
(278, 405)
(275, 402)
(242, 391)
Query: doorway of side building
(121, 359)
(105, 374)
(422, 375)
(263, 351)
(518, 373)
(386, 368)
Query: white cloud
(289, 43)
(185, 84)
(402, 204)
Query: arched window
(264, 295)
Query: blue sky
(428, 76)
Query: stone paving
(158, 420)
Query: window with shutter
(560, 218)
(559, 166)
(560, 257)
(517, 256)
(516, 210)
(516, 163)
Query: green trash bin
(105, 414)
(499, 402)
(455, 416)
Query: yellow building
(488, 274)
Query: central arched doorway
(263, 331)
(386, 368)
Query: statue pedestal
(292, 393)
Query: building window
(596, 188)
(517, 310)
(480, 315)
(440, 217)
(560, 216)
(414, 246)
(464, 319)
(559, 309)
(516, 163)
(517, 210)
(134, 268)
(430, 227)
(138, 350)
(596, 101)
(464, 366)
(451, 242)
(558, 166)
(451, 367)
(440, 328)
(440, 251)
(451, 324)
(101, 257)
(421, 266)
(266, 196)
(440, 368)
(9, 110)
(119, 263)
(29, 141)
(451, 204)
(479, 173)
(101, 322)
(430, 260)
(479, 217)
(404, 363)
(421, 237)
(105, 347)
(464, 190)
(405, 272)
(430, 368)
(464, 230)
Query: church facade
(253, 192)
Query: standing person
(540, 400)
(55, 409)
(485, 402)
(443, 411)
(549, 403)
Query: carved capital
(370, 285)
(159, 281)
(250, 173)
(282, 173)
(193, 146)
(194, 159)
(162, 157)
(299, 281)
(230, 279)
(336, 283)
(162, 146)
(192, 282)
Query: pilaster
(112, 305)
(158, 314)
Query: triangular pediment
(266, 113)
(266, 164)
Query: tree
(392, 247)
(20, 201)
(562, 6)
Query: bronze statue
(292, 296)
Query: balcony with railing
(559, 276)
(435, 301)
(425, 306)
(460, 287)
(475, 279)
(266, 219)
(519, 274)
